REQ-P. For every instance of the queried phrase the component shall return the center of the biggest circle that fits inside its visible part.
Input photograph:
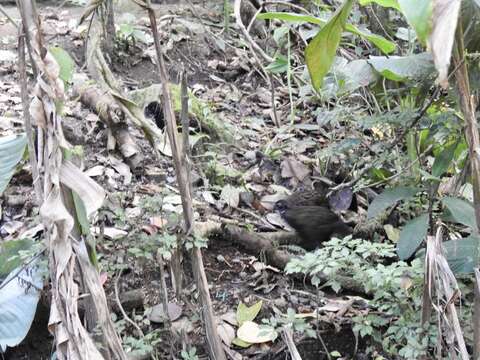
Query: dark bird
(314, 224)
(314, 197)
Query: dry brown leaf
(292, 168)
(440, 41)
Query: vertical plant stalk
(468, 106)
(213, 340)
(32, 155)
(67, 254)
(109, 27)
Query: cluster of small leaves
(298, 324)
(146, 246)
(151, 204)
(196, 242)
(340, 257)
(393, 319)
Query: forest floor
(225, 77)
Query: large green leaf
(380, 42)
(401, 68)
(461, 211)
(443, 160)
(18, 303)
(419, 15)
(320, 52)
(385, 46)
(390, 197)
(11, 152)
(463, 255)
(412, 236)
(384, 3)
(65, 62)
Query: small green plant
(393, 317)
(298, 324)
(189, 354)
(128, 32)
(196, 241)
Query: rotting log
(112, 115)
(256, 243)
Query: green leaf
(65, 62)
(443, 160)
(383, 44)
(18, 303)
(248, 313)
(419, 15)
(240, 343)
(384, 3)
(9, 259)
(388, 198)
(412, 236)
(463, 255)
(279, 65)
(11, 151)
(401, 68)
(380, 42)
(461, 211)
(291, 17)
(320, 52)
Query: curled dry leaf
(440, 42)
(226, 333)
(37, 113)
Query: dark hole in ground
(154, 111)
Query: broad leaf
(412, 236)
(18, 303)
(248, 313)
(401, 68)
(441, 38)
(65, 62)
(443, 160)
(461, 211)
(388, 198)
(320, 52)
(11, 152)
(463, 255)
(419, 15)
(385, 46)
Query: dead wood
(113, 116)
(256, 243)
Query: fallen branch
(256, 243)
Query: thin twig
(9, 18)
(122, 310)
(36, 256)
(32, 155)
